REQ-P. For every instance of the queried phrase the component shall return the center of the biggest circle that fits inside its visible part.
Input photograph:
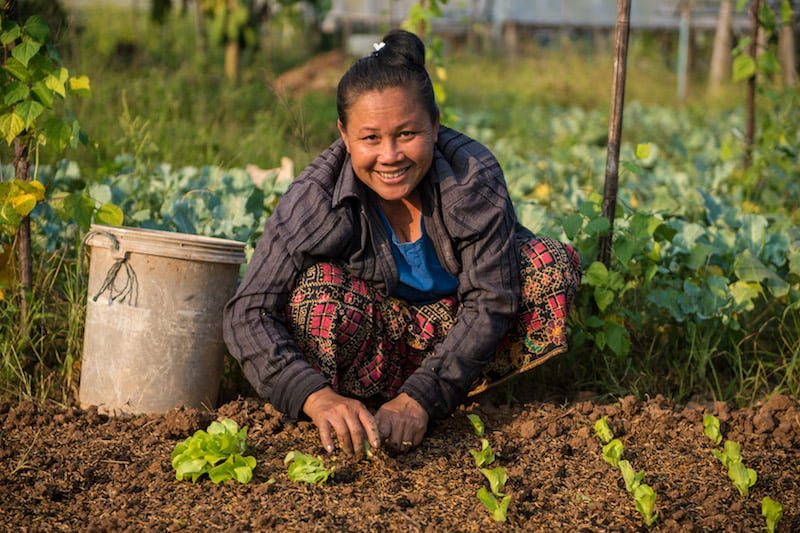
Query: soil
(68, 469)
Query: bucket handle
(130, 288)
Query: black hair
(398, 61)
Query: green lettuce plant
(216, 452)
(307, 468)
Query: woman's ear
(343, 133)
(436, 124)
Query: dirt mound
(65, 469)
(321, 73)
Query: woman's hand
(402, 422)
(349, 419)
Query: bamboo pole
(615, 125)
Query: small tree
(33, 85)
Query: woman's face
(390, 138)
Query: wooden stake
(615, 125)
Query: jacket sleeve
(481, 226)
(303, 226)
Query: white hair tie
(378, 47)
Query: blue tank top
(423, 279)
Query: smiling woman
(394, 271)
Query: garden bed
(65, 469)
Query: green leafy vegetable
(645, 499)
(603, 430)
(772, 511)
(485, 456)
(497, 479)
(743, 478)
(711, 428)
(631, 477)
(307, 468)
(499, 509)
(477, 424)
(216, 452)
(612, 452)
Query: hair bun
(401, 48)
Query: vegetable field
(675, 409)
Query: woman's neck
(404, 216)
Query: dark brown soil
(64, 469)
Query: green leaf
(612, 452)
(11, 33)
(306, 468)
(477, 424)
(17, 69)
(645, 499)
(11, 125)
(632, 478)
(109, 215)
(15, 92)
(215, 452)
(744, 67)
(58, 133)
(597, 226)
(603, 430)
(56, 83)
(485, 456)
(499, 510)
(29, 111)
(497, 479)
(633, 168)
(36, 27)
(572, 225)
(25, 50)
(596, 274)
(643, 150)
(743, 478)
(711, 428)
(43, 94)
(772, 511)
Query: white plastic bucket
(153, 335)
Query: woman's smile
(390, 137)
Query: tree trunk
(786, 54)
(750, 125)
(615, 125)
(24, 252)
(723, 45)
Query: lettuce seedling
(477, 424)
(216, 452)
(772, 511)
(612, 452)
(632, 478)
(743, 478)
(497, 479)
(603, 430)
(485, 456)
(645, 498)
(499, 509)
(711, 428)
(730, 453)
(307, 468)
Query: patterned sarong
(367, 344)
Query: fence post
(615, 125)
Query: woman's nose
(390, 151)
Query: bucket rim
(166, 243)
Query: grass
(155, 97)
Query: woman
(394, 270)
